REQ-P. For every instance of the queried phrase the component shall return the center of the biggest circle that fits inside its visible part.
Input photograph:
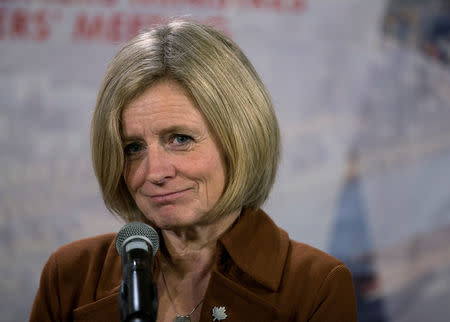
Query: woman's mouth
(168, 196)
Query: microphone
(137, 243)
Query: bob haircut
(222, 84)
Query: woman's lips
(167, 197)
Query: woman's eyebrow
(128, 138)
(178, 128)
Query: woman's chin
(170, 221)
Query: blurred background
(362, 92)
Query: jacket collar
(254, 241)
(251, 243)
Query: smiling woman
(175, 172)
(185, 139)
(236, 107)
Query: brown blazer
(260, 275)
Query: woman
(184, 138)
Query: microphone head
(137, 230)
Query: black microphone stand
(138, 297)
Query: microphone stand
(138, 296)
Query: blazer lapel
(237, 302)
(251, 260)
(103, 310)
(258, 247)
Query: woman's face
(173, 167)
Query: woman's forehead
(161, 107)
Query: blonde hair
(222, 84)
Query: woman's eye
(133, 148)
(180, 140)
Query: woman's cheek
(133, 175)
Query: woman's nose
(159, 166)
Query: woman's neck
(192, 250)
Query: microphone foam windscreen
(138, 230)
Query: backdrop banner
(362, 92)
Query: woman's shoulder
(315, 269)
(315, 284)
(77, 274)
(302, 254)
(297, 255)
(96, 246)
(83, 255)
(313, 266)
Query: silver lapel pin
(218, 313)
